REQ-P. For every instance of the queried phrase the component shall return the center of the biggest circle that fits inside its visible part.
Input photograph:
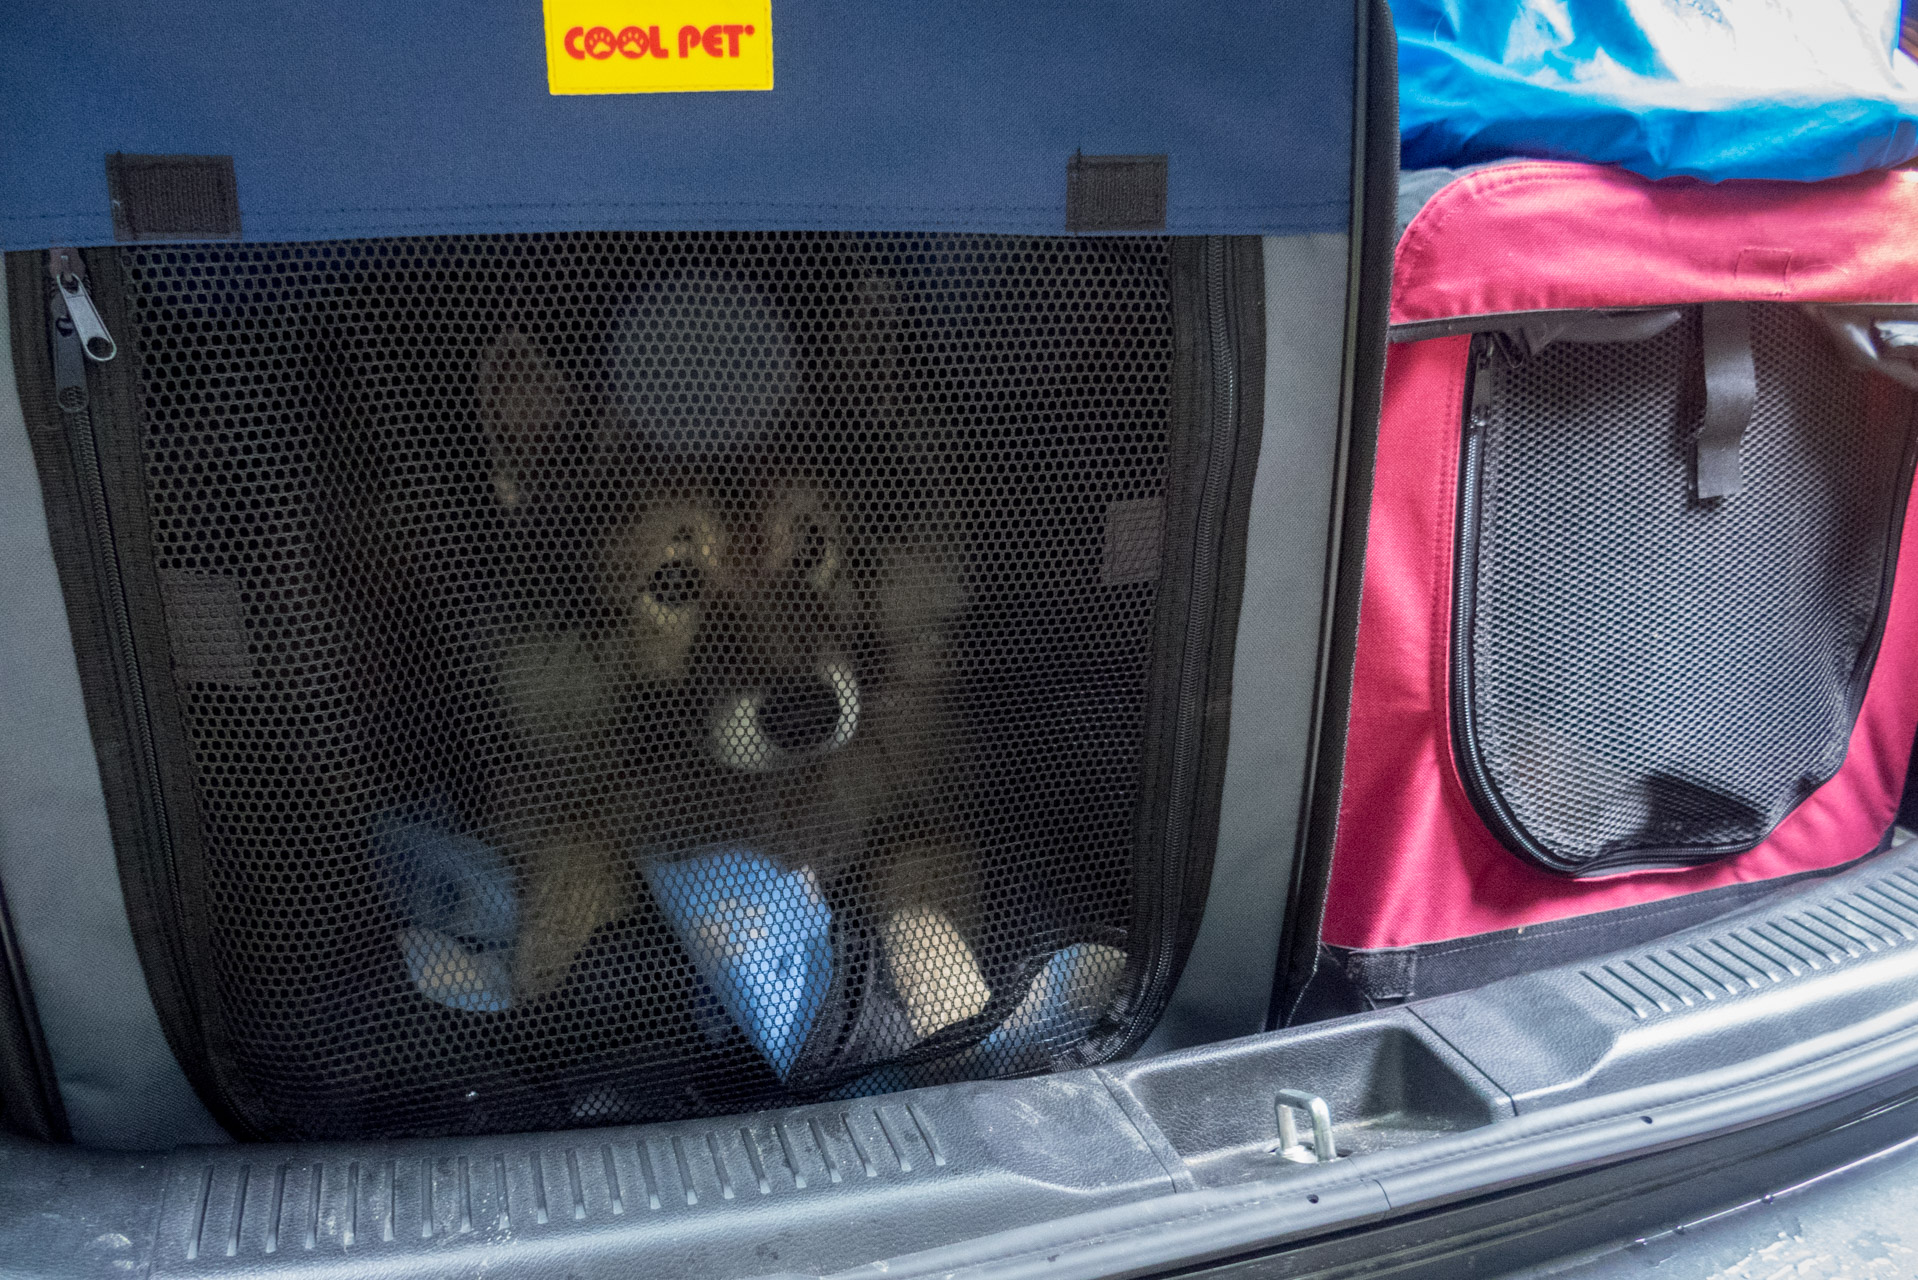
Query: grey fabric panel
(120, 1082)
(1417, 186)
(1227, 984)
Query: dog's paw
(458, 976)
(933, 969)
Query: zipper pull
(69, 273)
(1483, 390)
(69, 363)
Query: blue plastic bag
(1714, 89)
(759, 935)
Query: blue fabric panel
(356, 118)
(761, 936)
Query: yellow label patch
(601, 46)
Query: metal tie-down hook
(1322, 1150)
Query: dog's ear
(522, 410)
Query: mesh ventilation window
(646, 676)
(1656, 679)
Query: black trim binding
(1380, 978)
(1375, 171)
(29, 1092)
(1219, 305)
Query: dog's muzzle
(808, 715)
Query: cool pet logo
(658, 48)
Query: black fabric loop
(1115, 193)
(173, 197)
(1731, 389)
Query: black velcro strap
(1731, 388)
(173, 197)
(1115, 193)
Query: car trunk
(718, 736)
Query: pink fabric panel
(1414, 863)
(1542, 235)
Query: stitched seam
(1596, 920)
(1415, 245)
(282, 210)
(1410, 254)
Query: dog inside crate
(697, 711)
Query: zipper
(1486, 362)
(1221, 440)
(1491, 354)
(78, 337)
(70, 344)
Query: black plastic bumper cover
(1797, 1004)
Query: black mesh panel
(641, 676)
(1655, 678)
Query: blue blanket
(1714, 89)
